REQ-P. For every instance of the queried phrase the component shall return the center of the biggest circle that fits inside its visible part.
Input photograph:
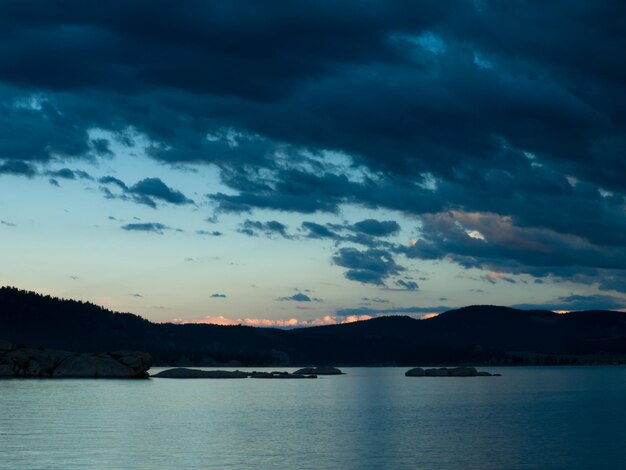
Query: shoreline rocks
(448, 372)
(21, 362)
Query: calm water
(539, 418)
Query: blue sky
(306, 163)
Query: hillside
(476, 334)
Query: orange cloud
(288, 323)
(266, 322)
(353, 318)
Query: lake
(530, 418)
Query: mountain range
(480, 334)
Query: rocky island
(448, 372)
(322, 370)
(185, 373)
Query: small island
(448, 372)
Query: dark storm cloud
(513, 110)
(147, 227)
(32, 126)
(233, 35)
(270, 228)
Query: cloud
(209, 320)
(218, 296)
(154, 227)
(66, 173)
(494, 108)
(148, 189)
(299, 297)
(342, 316)
(375, 300)
(406, 284)
(492, 277)
(372, 266)
(377, 228)
(115, 181)
(368, 232)
(506, 247)
(274, 323)
(7, 224)
(211, 233)
(17, 167)
(145, 192)
(135, 295)
(575, 302)
(418, 312)
(270, 229)
(315, 230)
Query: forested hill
(476, 334)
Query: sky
(314, 162)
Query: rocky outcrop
(185, 373)
(51, 363)
(415, 372)
(280, 375)
(322, 370)
(447, 372)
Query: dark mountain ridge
(479, 334)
